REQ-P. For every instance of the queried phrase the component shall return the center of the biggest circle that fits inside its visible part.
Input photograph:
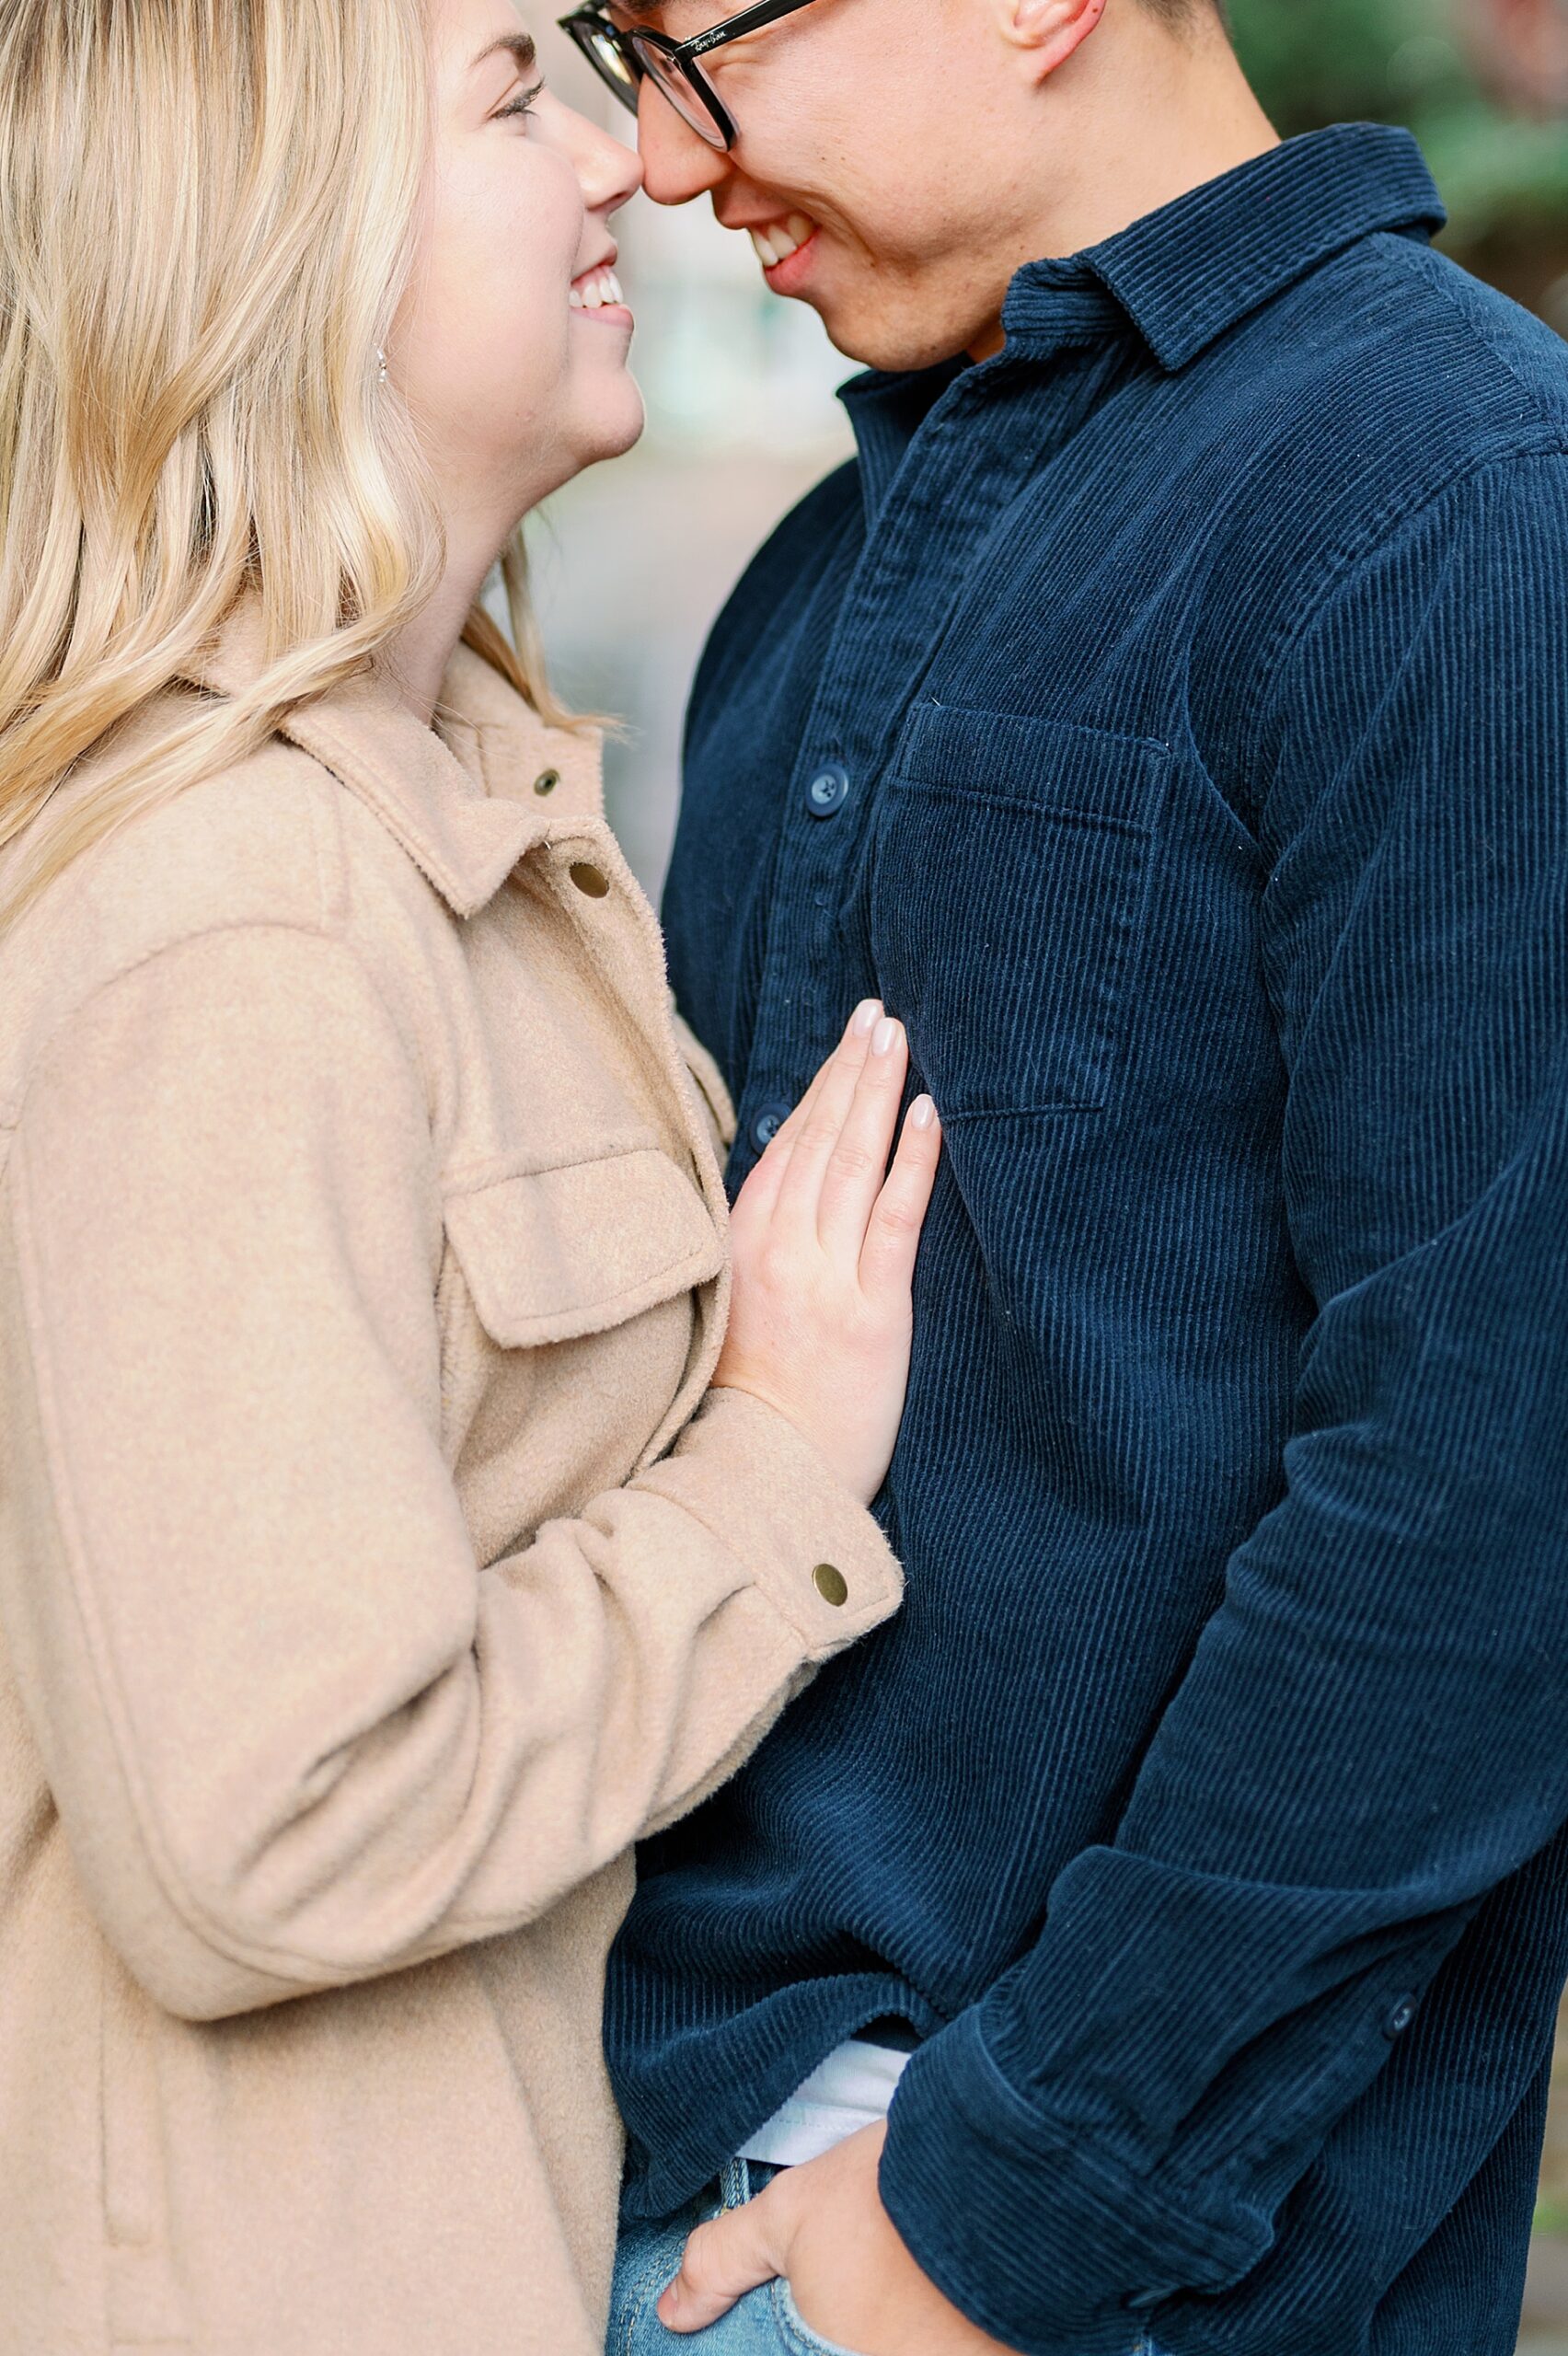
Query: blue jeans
(765, 2322)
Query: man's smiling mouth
(777, 240)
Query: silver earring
(381, 370)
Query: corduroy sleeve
(1369, 1737)
(298, 1734)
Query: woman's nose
(677, 163)
(610, 172)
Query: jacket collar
(1186, 274)
(459, 798)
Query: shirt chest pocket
(1013, 860)
(551, 1254)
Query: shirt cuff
(812, 1549)
(1038, 2239)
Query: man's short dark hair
(1182, 12)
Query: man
(1168, 718)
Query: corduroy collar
(1186, 274)
(460, 802)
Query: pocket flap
(1014, 862)
(1055, 767)
(551, 1254)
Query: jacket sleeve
(1370, 1736)
(297, 1735)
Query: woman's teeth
(781, 239)
(594, 292)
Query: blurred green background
(1483, 83)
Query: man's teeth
(781, 239)
(592, 293)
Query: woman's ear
(1046, 32)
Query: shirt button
(590, 880)
(831, 1584)
(828, 792)
(767, 1122)
(1400, 2020)
(546, 781)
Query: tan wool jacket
(372, 1570)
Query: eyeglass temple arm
(750, 20)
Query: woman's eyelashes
(524, 103)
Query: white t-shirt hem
(853, 2088)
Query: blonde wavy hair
(207, 215)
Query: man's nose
(677, 163)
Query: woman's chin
(617, 423)
(606, 424)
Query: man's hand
(823, 2228)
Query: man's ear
(1046, 32)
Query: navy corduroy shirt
(1168, 718)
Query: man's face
(878, 139)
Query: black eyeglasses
(623, 60)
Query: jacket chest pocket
(552, 1252)
(1014, 863)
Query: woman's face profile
(512, 364)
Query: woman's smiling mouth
(598, 294)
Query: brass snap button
(547, 782)
(590, 880)
(830, 1583)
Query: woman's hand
(824, 1241)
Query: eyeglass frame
(683, 56)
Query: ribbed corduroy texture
(1200, 669)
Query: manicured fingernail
(922, 1113)
(883, 1037)
(865, 1019)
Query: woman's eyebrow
(521, 46)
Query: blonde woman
(385, 1542)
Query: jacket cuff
(1048, 2245)
(812, 1549)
